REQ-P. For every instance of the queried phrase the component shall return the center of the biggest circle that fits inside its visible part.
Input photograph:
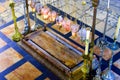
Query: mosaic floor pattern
(16, 63)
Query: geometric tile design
(100, 13)
(25, 72)
(88, 19)
(117, 77)
(117, 63)
(106, 54)
(8, 58)
(2, 43)
(67, 8)
(9, 31)
(100, 27)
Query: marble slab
(8, 58)
(27, 71)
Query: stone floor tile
(100, 27)
(117, 63)
(75, 15)
(8, 58)
(117, 77)
(110, 33)
(68, 8)
(58, 3)
(81, 7)
(106, 54)
(101, 15)
(88, 19)
(47, 78)
(9, 31)
(2, 43)
(2, 9)
(25, 72)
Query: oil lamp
(66, 24)
(44, 11)
(82, 33)
(74, 29)
(17, 36)
(59, 20)
(52, 16)
(38, 8)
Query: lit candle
(117, 29)
(11, 1)
(87, 41)
(108, 4)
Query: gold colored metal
(85, 67)
(94, 4)
(28, 18)
(83, 2)
(17, 36)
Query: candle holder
(108, 75)
(98, 71)
(35, 6)
(26, 27)
(95, 63)
(103, 40)
(114, 46)
(17, 36)
(85, 67)
(95, 5)
(36, 25)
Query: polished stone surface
(25, 72)
(8, 58)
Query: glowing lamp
(66, 24)
(52, 16)
(38, 7)
(59, 20)
(44, 12)
(74, 29)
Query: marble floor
(16, 64)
